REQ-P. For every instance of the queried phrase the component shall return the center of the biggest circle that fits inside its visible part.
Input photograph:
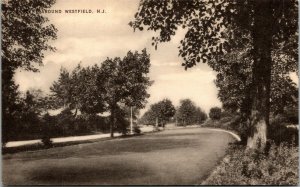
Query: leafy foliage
(25, 33)
(96, 89)
(82, 89)
(188, 113)
(25, 37)
(27, 117)
(126, 81)
(161, 111)
(281, 130)
(217, 28)
(235, 76)
(213, 27)
(215, 113)
(277, 167)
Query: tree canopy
(189, 114)
(25, 37)
(215, 113)
(96, 89)
(216, 28)
(161, 111)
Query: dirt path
(182, 156)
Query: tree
(161, 112)
(125, 81)
(31, 113)
(166, 111)
(62, 90)
(188, 113)
(82, 90)
(25, 37)
(90, 90)
(11, 110)
(234, 79)
(212, 30)
(200, 116)
(215, 113)
(95, 89)
(148, 118)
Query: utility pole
(131, 123)
(156, 124)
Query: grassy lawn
(184, 156)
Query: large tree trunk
(260, 105)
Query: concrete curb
(236, 136)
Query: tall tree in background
(160, 112)
(125, 81)
(165, 110)
(25, 35)
(90, 90)
(62, 95)
(81, 89)
(188, 113)
(215, 113)
(200, 116)
(218, 27)
(148, 118)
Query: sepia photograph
(149, 92)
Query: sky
(90, 38)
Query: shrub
(47, 141)
(47, 130)
(136, 129)
(280, 132)
(248, 167)
(215, 113)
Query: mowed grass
(183, 156)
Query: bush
(215, 113)
(47, 141)
(279, 130)
(277, 167)
(136, 129)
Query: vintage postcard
(148, 92)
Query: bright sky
(91, 38)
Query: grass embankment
(247, 167)
(276, 166)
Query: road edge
(217, 168)
(236, 136)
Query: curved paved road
(181, 156)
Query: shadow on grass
(103, 173)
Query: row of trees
(114, 87)
(82, 95)
(164, 111)
(251, 44)
(116, 84)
